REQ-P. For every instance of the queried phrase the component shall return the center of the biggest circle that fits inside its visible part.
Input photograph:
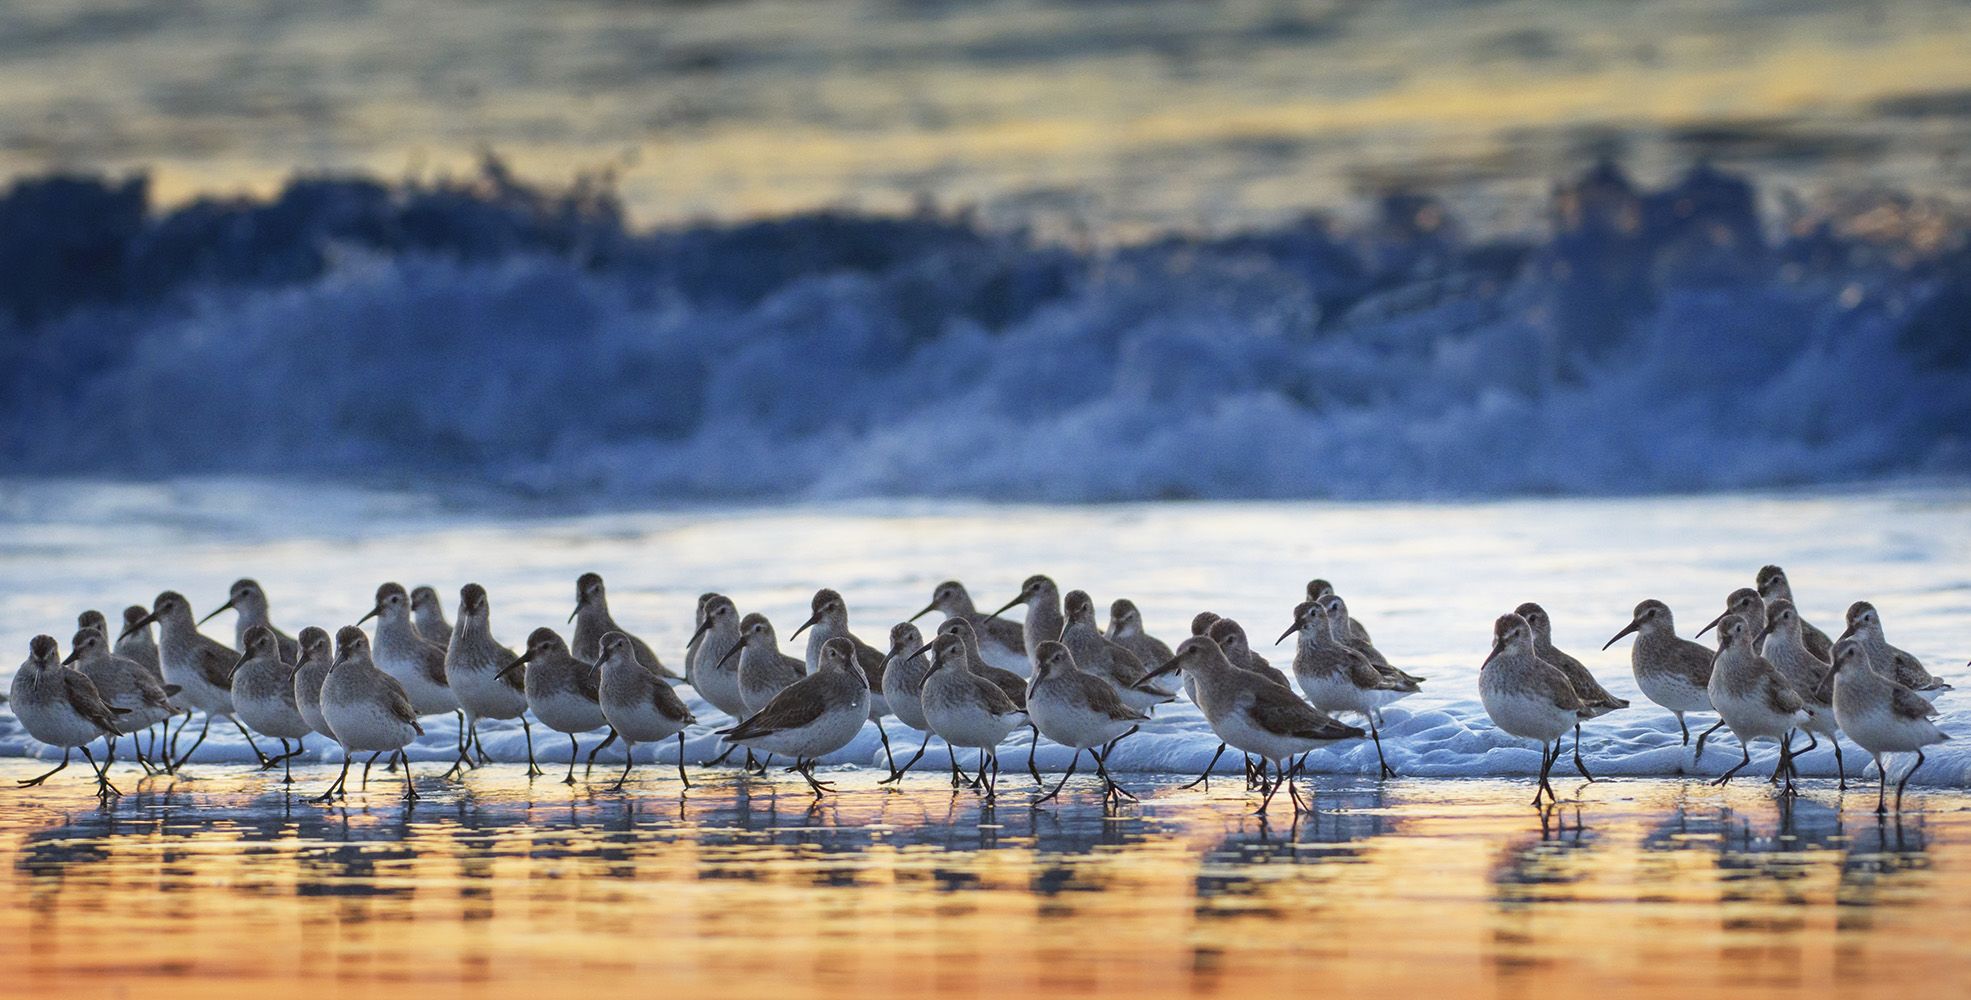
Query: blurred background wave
(1007, 250)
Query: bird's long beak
(215, 613)
(149, 618)
(730, 653)
(1626, 629)
(518, 662)
(237, 664)
(1499, 646)
(577, 611)
(928, 608)
(70, 658)
(1714, 622)
(1850, 631)
(913, 654)
(703, 627)
(813, 620)
(1008, 606)
(1771, 623)
(1169, 666)
(1291, 629)
(373, 613)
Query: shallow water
(224, 887)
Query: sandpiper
(1044, 620)
(428, 614)
(1237, 647)
(697, 636)
(416, 663)
(815, 716)
(764, 671)
(62, 708)
(1745, 603)
(1096, 655)
(904, 668)
(1672, 671)
(366, 708)
(592, 622)
(1597, 698)
(1254, 715)
(1526, 696)
(140, 701)
(638, 704)
(201, 667)
(1865, 624)
(1350, 631)
(1773, 586)
(1013, 684)
(1126, 627)
(966, 710)
(1880, 715)
(563, 691)
(1752, 697)
(250, 601)
(713, 669)
(1001, 642)
(136, 642)
(1785, 645)
(830, 620)
(317, 659)
(1337, 677)
(263, 694)
(475, 670)
(1318, 590)
(1078, 710)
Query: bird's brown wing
(215, 664)
(648, 657)
(515, 679)
(1780, 696)
(1910, 705)
(88, 702)
(398, 701)
(795, 706)
(669, 705)
(1100, 696)
(1280, 712)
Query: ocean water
(1428, 579)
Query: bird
(1126, 628)
(366, 708)
(61, 708)
(124, 684)
(1879, 714)
(813, 717)
(764, 671)
(1598, 699)
(1095, 655)
(1002, 642)
(697, 636)
(428, 614)
(1865, 625)
(967, 710)
(713, 671)
(136, 642)
(1044, 620)
(1745, 603)
(1773, 586)
(1081, 711)
(1785, 645)
(1349, 631)
(1233, 642)
(475, 670)
(263, 694)
(1318, 590)
(201, 667)
(1672, 671)
(592, 622)
(1527, 697)
(1337, 677)
(904, 669)
(415, 662)
(1014, 685)
(250, 601)
(562, 691)
(1752, 698)
(638, 704)
(1253, 714)
(317, 659)
(830, 620)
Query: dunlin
(1785, 645)
(263, 694)
(1598, 699)
(1865, 624)
(1880, 715)
(62, 708)
(1337, 677)
(966, 710)
(1044, 620)
(1527, 697)
(124, 685)
(904, 668)
(1672, 671)
(1081, 711)
(366, 708)
(815, 716)
(1773, 586)
(830, 620)
(475, 669)
(250, 601)
(592, 621)
(563, 691)
(201, 667)
(638, 704)
(1752, 698)
(428, 614)
(1001, 642)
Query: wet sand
(223, 886)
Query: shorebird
(1349, 631)
(366, 708)
(714, 670)
(563, 691)
(1081, 711)
(1014, 685)
(317, 659)
(1255, 715)
(904, 668)
(263, 694)
(1098, 657)
(638, 704)
(1597, 698)
(1526, 696)
(1880, 715)
(416, 663)
(475, 670)
(1785, 646)
(62, 708)
(830, 620)
(136, 642)
(1774, 587)
(201, 667)
(1237, 647)
(1337, 677)
(429, 617)
(1001, 642)
(1753, 699)
(250, 601)
(139, 700)
(1745, 603)
(1672, 671)
(1126, 628)
(697, 636)
(592, 622)
(815, 716)
(1865, 624)
(764, 671)
(1044, 620)
(1318, 590)
(966, 710)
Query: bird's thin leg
(720, 759)
(1813, 742)
(335, 787)
(1375, 733)
(1579, 765)
(1033, 745)
(1747, 749)
(195, 743)
(1205, 778)
(410, 790)
(366, 768)
(266, 762)
(1546, 764)
(951, 756)
(1881, 790)
(1293, 791)
(611, 738)
(1840, 766)
(287, 768)
(681, 775)
(527, 729)
(806, 770)
(30, 782)
(891, 758)
(104, 789)
(1705, 735)
(629, 750)
(1102, 768)
(1900, 785)
(897, 775)
(1073, 762)
(1270, 792)
(1683, 728)
(574, 750)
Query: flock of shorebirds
(972, 683)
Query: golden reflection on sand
(222, 887)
